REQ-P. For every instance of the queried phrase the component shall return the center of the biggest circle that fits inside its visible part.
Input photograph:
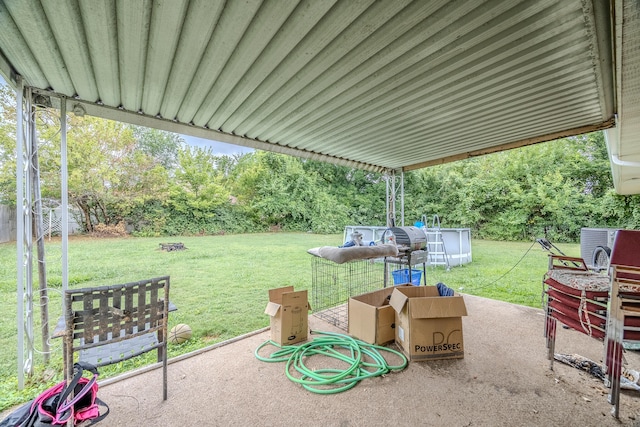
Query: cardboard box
(371, 318)
(428, 326)
(289, 315)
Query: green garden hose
(362, 360)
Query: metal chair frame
(98, 319)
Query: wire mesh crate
(333, 284)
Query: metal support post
(395, 186)
(24, 244)
(64, 196)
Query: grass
(505, 271)
(220, 284)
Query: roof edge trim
(517, 144)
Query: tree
(7, 146)
(108, 176)
(554, 188)
(360, 194)
(196, 193)
(280, 192)
(160, 145)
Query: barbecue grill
(413, 238)
(411, 242)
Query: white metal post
(395, 186)
(36, 203)
(64, 195)
(28, 233)
(391, 199)
(20, 226)
(24, 241)
(402, 198)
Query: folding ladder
(436, 250)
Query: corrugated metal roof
(373, 84)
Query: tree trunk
(86, 215)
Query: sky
(218, 148)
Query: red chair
(575, 297)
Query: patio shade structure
(386, 86)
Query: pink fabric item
(81, 407)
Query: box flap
(375, 298)
(398, 300)
(386, 326)
(418, 291)
(272, 308)
(275, 295)
(294, 298)
(432, 307)
(423, 291)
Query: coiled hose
(362, 361)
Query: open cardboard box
(289, 315)
(428, 326)
(371, 318)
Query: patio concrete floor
(503, 380)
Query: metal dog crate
(333, 284)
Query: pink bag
(54, 409)
(52, 406)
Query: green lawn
(220, 283)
